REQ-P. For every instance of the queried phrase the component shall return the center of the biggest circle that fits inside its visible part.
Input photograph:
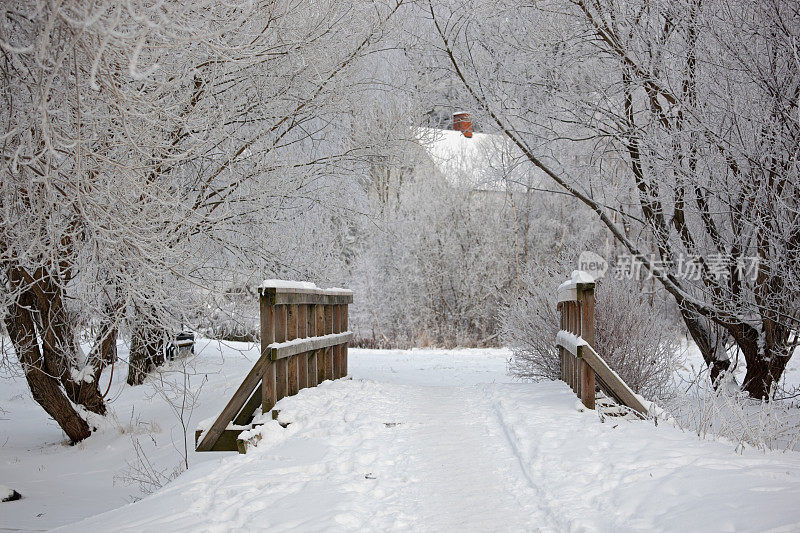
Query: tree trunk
(709, 347)
(60, 348)
(763, 371)
(766, 358)
(147, 350)
(44, 387)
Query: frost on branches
(685, 117)
(152, 153)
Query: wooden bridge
(304, 341)
(581, 367)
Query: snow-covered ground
(422, 440)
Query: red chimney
(462, 123)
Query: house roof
(482, 162)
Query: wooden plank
(294, 374)
(291, 322)
(307, 345)
(281, 379)
(329, 371)
(587, 312)
(281, 366)
(346, 346)
(313, 372)
(578, 376)
(587, 385)
(268, 393)
(572, 381)
(319, 320)
(225, 443)
(306, 296)
(337, 350)
(560, 309)
(233, 407)
(245, 416)
(291, 334)
(618, 388)
(269, 388)
(302, 359)
(586, 294)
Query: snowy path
(436, 441)
(364, 455)
(470, 474)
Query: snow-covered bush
(728, 412)
(234, 316)
(634, 333)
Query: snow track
(364, 455)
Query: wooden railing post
(337, 350)
(319, 312)
(329, 355)
(268, 393)
(282, 365)
(312, 357)
(560, 309)
(345, 327)
(586, 296)
(302, 359)
(316, 320)
(291, 335)
(582, 368)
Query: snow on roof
(481, 162)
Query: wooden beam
(285, 350)
(281, 366)
(225, 443)
(329, 369)
(277, 296)
(268, 383)
(233, 407)
(618, 388)
(302, 359)
(319, 319)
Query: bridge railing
(304, 341)
(581, 367)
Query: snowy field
(422, 440)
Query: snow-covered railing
(581, 367)
(304, 341)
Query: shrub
(634, 333)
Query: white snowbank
(366, 455)
(5, 492)
(422, 440)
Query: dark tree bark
(45, 388)
(147, 349)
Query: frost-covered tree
(688, 115)
(154, 151)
